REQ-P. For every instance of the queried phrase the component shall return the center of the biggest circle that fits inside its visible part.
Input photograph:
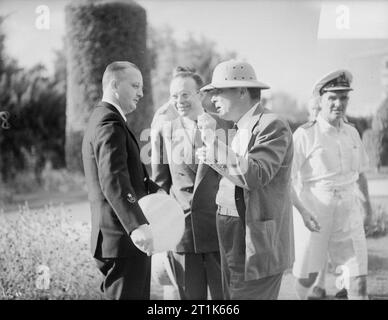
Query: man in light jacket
(254, 219)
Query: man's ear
(201, 95)
(319, 101)
(113, 84)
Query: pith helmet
(234, 74)
(338, 80)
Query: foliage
(378, 225)
(36, 104)
(61, 180)
(287, 106)
(31, 238)
(361, 123)
(380, 125)
(98, 34)
(371, 140)
(166, 53)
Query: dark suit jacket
(116, 179)
(263, 177)
(193, 185)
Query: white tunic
(327, 163)
(326, 156)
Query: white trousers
(342, 237)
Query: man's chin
(223, 115)
(183, 113)
(130, 109)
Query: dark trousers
(126, 278)
(231, 237)
(196, 273)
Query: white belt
(227, 212)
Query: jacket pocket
(262, 234)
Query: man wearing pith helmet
(254, 218)
(329, 161)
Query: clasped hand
(143, 239)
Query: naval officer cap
(339, 80)
(234, 74)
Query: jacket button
(131, 198)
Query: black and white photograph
(210, 150)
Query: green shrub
(61, 180)
(98, 34)
(378, 225)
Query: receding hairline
(116, 69)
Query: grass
(34, 238)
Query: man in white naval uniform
(329, 161)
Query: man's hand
(162, 191)
(143, 239)
(207, 125)
(310, 221)
(205, 154)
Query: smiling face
(185, 97)
(129, 89)
(333, 106)
(227, 102)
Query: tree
(98, 34)
(287, 106)
(380, 125)
(36, 104)
(376, 138)
(166, 53)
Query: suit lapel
(132, 135)
(201, 172)
(125, 123)
(244, 144)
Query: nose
(338, 103)
(140, 93)
(213, 98)
(180, 99)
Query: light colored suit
(176, 169)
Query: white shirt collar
(327, 126)
(116, 106)
(244, 121)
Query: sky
(291, 44)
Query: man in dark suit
(116, 179)
(196, 259)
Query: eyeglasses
(184, 95)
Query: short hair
(115, 70)
(254, 93)
(187, 72)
